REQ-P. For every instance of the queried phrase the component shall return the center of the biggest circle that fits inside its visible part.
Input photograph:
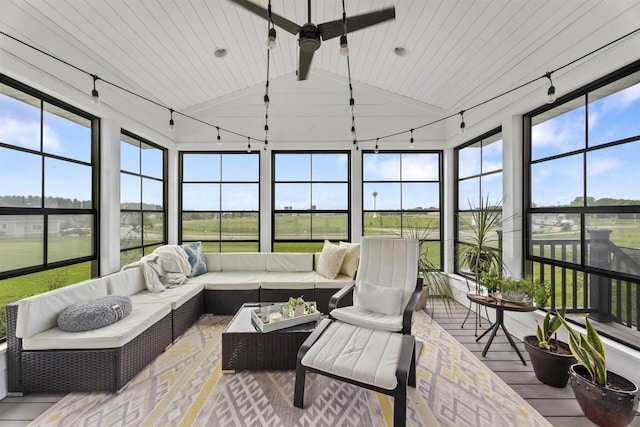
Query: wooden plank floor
(556, 405)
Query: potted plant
(298, 306)
(550, 357)
(479, 251)
(605, 397)
(435, 281)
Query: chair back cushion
(391, 263)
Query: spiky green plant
(550, 327)
(589, 351)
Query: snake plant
(589, 351)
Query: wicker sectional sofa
(43, 358)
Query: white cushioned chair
(386, 288)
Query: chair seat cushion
(360, 354)
(367, 319)
(176, 296)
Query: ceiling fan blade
(304, 64)
(278, 20)
(332, 29)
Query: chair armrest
(311, 339)
(407, 316)
(335, 299)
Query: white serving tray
(283, 323)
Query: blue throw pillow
(196, 258)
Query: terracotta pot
(550, 368)
(604, 406)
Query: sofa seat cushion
(175, 296)
(94, 314)
(288, 280)
(233, 280)
(115, 335)
(367, 319)
(40, 312)
(360, 354)
(339, 282)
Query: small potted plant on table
(606, 398)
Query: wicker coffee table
(246, 348)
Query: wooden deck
(556, 405)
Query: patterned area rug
(185, 386)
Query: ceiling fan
(310, 35)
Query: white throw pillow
(331, 260)
(379, 299)
(351, 259)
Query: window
(402, 196)
(583, 203)
(311, 200)
(220, 200)
(478, 183)
(142, 197)
(48, 178)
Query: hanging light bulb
(271, 38)
(353, 132)
(344, 47)
(218, 141)
(266, 131)
(375, 150)
(266, 101)
(248, 145)
(172, 124)
(411, 140)
(95, 96)
(551, 92)
(352, 104)
(462, 125)
(266, 144)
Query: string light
(352, 103)
(172, 124)
(266, 89)
(411, 140)
(95, 96)
(551, 92)
(248, 144)
(462, 124)
(271, 35)
(218, 141)
(344, 47)
(375, 150)
(266, 99)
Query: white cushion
(360, 354)
(115, 335)
(213, 261)
(367, 319)
(40, 312)
(330, 260)
(380, 299)
(243, 261)
(281, 261)
(234, 280)
(126, 282)
(175, 296)
(339, 282)
(288, 280)
(351, 259)
(203, 278)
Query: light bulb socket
(172, 124)
(95, 96)
(352, 104)
(344, 46)
(266, 101)
(463, 127)
(271, 38)
(411, 143)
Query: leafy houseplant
(436, 282)
(550, 358)
(605, 397)
(297, 303)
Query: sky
(611, 172)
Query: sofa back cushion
(40, 312)
(243, 261)
(127, 282)
(213, 261)
(281, 261)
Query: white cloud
(602, 166)
(558, 132)
(420, 168)
(27, 134)
(382, 167)
(621, 100)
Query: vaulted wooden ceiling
(458, 51)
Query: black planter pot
(550, 368)
(604, 406)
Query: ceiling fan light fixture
(344, 46)
(271, 38)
